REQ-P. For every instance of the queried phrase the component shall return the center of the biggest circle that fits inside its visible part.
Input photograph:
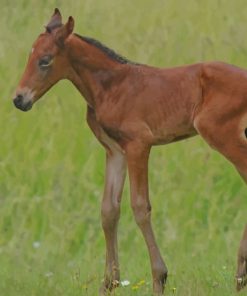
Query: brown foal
(131, 107)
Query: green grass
(51, 166)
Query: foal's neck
(92, 71)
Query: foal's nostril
(18, 101)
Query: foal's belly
(175, 127)
(173, 136)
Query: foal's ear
(57, 14)
(55, 21)
(63, 33)
(56, 11)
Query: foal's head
(47, 62)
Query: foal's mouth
(25, 107)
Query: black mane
(109, 52)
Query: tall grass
(52, 168)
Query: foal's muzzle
(22, 104)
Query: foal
(130, 108)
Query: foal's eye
(45, 61)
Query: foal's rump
(221, 118)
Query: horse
(132, 107)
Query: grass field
(51, 166)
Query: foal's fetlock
(159, 282)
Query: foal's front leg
(242, 262)
(110, 212)
(137, 158)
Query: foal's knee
(142, 211)
(110, 215)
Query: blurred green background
(52, 167)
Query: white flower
(36, 245)
(49, 274)
(125, 283)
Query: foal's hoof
(106, 289)
(241, 282)
(241, 276)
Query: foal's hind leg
(242, 262)
(229, 138)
